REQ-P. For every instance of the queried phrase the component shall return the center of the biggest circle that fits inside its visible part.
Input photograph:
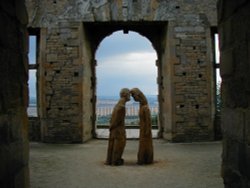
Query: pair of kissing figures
(117, 135)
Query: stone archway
(67, 79)
(154, 32)
(181, 36)
(119, 61)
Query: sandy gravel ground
(192, 165)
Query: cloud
(32, 83)
(119, 43)
(135, 69)
(32, 50)
(135, 63)
(126, 60)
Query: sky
(217, 58)
(32, 60)
(126, 61)
(123, 60)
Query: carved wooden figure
(145, 153)
(117, 136)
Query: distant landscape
(105, 105)
(112, 100)
(32, 109)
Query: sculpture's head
(125, 93)
(138, 95)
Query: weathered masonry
(234, 27)
(69, 34)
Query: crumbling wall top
(49, 12)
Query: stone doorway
(119, 61)
(154, 32)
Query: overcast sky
(126, 60)
(123, 60)
(32, 60)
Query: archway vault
(153, 31)
(125, 59)
(95, 32)
(184, 75)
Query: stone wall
(34, 129)
(45, 13)
(190, 80)
(234, 26)
(61, 84)
(14, 147)
(66, 70)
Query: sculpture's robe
(117, 136)
(145, 153)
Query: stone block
(247, 126)
(34, 129)
(179, 99)
(233, 123)
(51, 57)
(227, 63)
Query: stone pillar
(187, 77)
(89, 84)
(14, 146)
(64, 84)
(234, 27)
(165, 83)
